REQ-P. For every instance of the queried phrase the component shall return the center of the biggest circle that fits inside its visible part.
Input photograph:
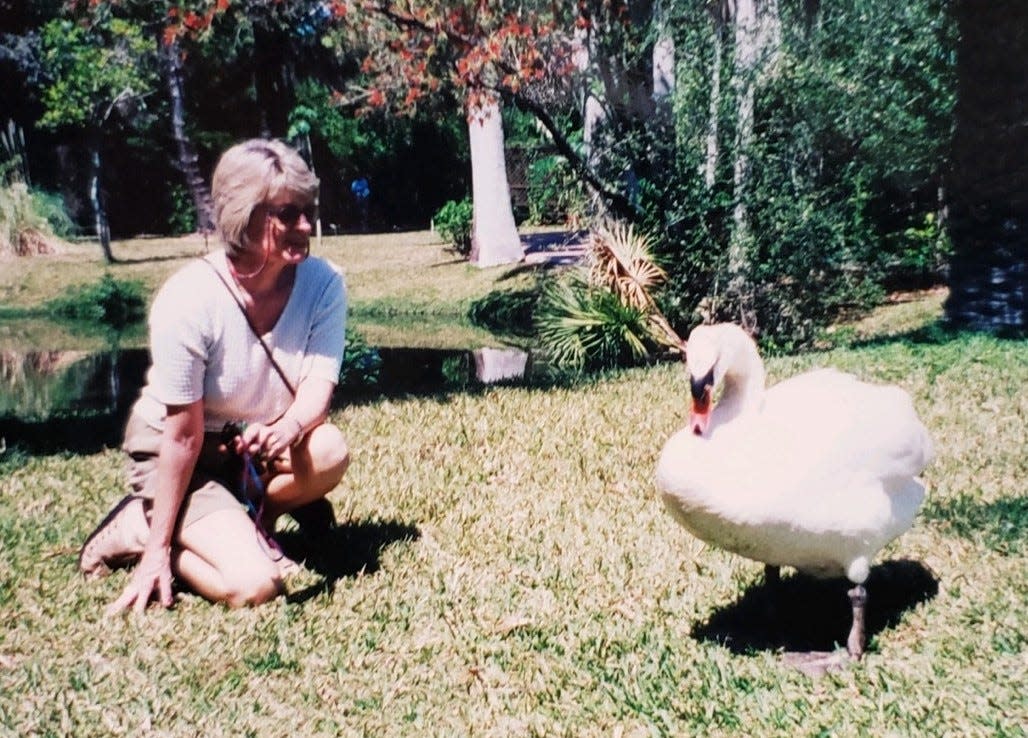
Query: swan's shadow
(804, 614)
(346, 550)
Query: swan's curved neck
(743, 391)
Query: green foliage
(182, 213)
(505, 311)
(582, 328)
(110, 302)
(51, 207)
(453, 222)
(361, 363)
(555, 194)
(852, 125)
(918, 252)
(93, 70)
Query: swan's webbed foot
(819, 663)
(772, 575)
(816, 663)
(855, 641)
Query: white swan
(817, 472)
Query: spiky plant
(606, 315)
(621, 262)
(582, 327)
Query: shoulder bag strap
(253, 328)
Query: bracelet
(299, 425)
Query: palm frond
(621, 262)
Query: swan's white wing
(840, 425)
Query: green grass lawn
(504, 567)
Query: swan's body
(818, 472)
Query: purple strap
(250, 475)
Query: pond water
(78, 400)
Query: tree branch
(618, 203)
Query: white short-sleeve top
(201, 345)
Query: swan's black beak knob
(701, 389)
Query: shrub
(51, 207)
(582, 327)
(555, 194)
(453, 222)
(182, 213)
(109, 302)
(505, 311)
(361, 363)
(608, 317)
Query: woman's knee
(252, 586)
(328, 450)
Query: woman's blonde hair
(251, 173)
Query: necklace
(250, 275)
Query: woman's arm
(179, 450)
(309, 409)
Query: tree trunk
(188, 162)
(103, 231)
(714, 111)
(663, 66)
(494, 237)
(746, 55)
(988, 191)
(757, 36)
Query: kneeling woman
(251, 339)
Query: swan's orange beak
(701, 390)
(699, 418)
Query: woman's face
(281, 228)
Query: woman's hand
(270, 441)
(151, 576)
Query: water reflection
(36, 385)
(52, 400)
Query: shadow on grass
(346, 551)
(1000, 526)
(806, 614)
(936, 333)
(86, 434)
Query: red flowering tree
(480, 52)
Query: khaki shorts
(210, 488)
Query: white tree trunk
(494, 236)
(593, 116)
(757, 40)
(188, 161)
(713, 115)
(663, 66)
(746, 53)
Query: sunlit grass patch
(505, 567)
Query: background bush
(847, 162)
(361, 363)
(505, 311)
(110, 302)
(25, 220)
(453, 223)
